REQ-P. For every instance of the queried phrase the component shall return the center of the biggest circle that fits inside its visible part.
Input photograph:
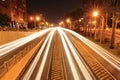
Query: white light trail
(34, 63)
(40, 71)
(77, 58)
(99, 50)
(70, 60)
(10, 43)
(4, 49)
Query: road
(66, 55)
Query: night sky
(53, 10)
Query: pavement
(8, 36)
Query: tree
(115, 16)
(75, 16)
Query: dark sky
(53, 10)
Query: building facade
(16, 10)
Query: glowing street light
(95, 13)
(61, 23)
(31, 18)
(68, 20)
(79, 20)
(68, 23)
(37, 18)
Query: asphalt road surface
(66, 55)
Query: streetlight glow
(79, 20)
(95, 13)
(37, 18)
(31, 18)
(62, 22)
(68, 20)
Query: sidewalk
(8, 36)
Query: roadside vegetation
(93, 21)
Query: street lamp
(68, 20)
(61, 23)
(95, 14)
(69, 23)
(35, 19)
(79, 20)
(31, 18)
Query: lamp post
(35, 20)
(32, 19)
(68, 23)
(61, 23)
(95, 14)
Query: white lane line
(81, 65)
(70, 60)
(15, 44)
(99, 50)
(41, 67)
(33, 65)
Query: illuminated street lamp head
(79, 20)
(31, 18)
(37, 18)
(68, 20)
(95, 13)
(62, 22)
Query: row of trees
(109, 14)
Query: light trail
(34, 63)
(70, 52)
(99, 50)
(4, 49)
(10, 43)
(41, 67)
(70, 60)
(81, 65)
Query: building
(16, 10)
